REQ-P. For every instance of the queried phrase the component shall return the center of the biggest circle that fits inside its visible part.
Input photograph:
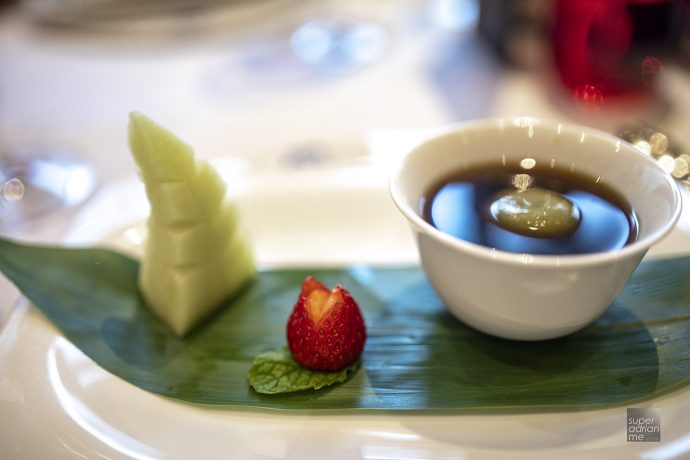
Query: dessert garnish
(325, 331)
(325, 334)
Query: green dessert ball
(534, 212)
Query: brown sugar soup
(535, 210)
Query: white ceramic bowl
(523, 296)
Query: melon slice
(195, 256)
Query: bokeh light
(680, 168)
(13, 190)
(651, 141)
(667, 163)
(644, 146)
(658, 143)
(588, 98)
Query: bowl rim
(522, 259)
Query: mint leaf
(276, 371)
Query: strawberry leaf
(275, 371)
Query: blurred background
(283, 85)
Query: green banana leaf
(417, 357)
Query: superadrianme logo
(643, 425)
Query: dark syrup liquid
(459, 206)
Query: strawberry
(325, 331)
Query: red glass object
(611, 45)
